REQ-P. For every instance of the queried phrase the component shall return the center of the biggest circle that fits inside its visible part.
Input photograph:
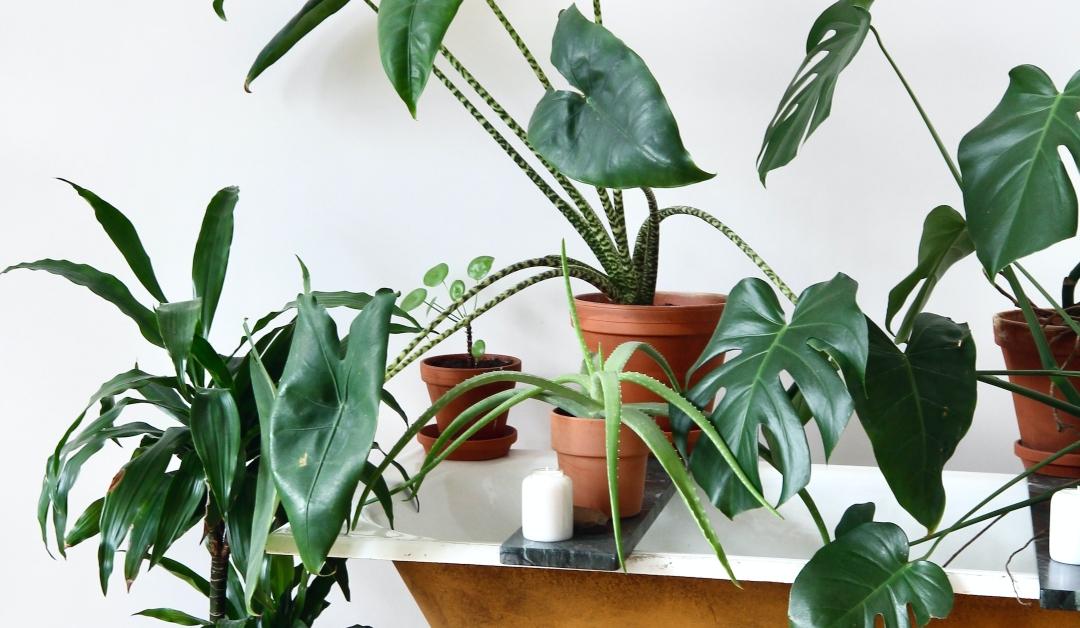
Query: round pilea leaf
(414, 299)
(480, 267)
(457, 289)
(436, 275)
(479, 348)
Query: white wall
(142, 102)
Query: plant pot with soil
(580, 445)
(441, 373)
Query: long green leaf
(125, 237)
(310, 15)
(324, 419)
(105, 286)
(215, 432)
(1017, 194)
(211, 260)
(944, 242)
(187, 493)
(266, 497)
(833, 42)
(618, 131)
(410, 35)
(178, 323)
(87, 525)
(173, 616)
(610, 389)
(144, 529)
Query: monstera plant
(216, 441)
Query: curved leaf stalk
(409, 358)
(922, 112)
(521, 45)
(804, 495)
(598, 15)
(595, 277)
(1043, 398)
(1068, 320)
(767, 270)
(650, 253)
(618, 222)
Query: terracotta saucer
(473, 449)
(1067, 466)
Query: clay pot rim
(474, 449)
(635, 447)
(1027, 453)
(435, 374)
(1014, 320)
(601, 302)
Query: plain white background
(142, 102)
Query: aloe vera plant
(213, 419)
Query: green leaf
(414, 299)
(219, 8)
(266, 496)
(144, 528)
(211, 260)
(618, 132)
(479, 349)
(1017, 195)
(215, 432)
(944, 242)
(834, 40)
(139, 481)
(324, 420)
(214, 363)
(436, 275)
(866, 573)
(457, 289)
(410, 35)
(125, 237)
(87, 525)
(916, 406)
(105, 286)
(173, 617)
(187, 574)
(310, 15)
(186, 494)
(826, 322)
(480, 267)
(855, 516)
(178, 323)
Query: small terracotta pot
(441, 378)
(1043, 430)
(579, 443)
(678, 325)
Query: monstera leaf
(410, 34)
(618, 132)
(323, 421)
(834, 40)
(916, 405)
(826, 324)
(944, 242)
(1017, 194)
(865, 573)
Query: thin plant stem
(1030, 372)
(804, 495)
(737, 241)
(598, 15)
(521, 45)
(972, 540)
(617, 223)
(1068, 320)
(922, 112)
(1024, 391)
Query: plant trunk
(219, 572)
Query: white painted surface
(485, 511)
(141, 101)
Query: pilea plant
(457, 310)
(203, 458)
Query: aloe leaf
(211, 260)
(105, 286)
(215, 432)
(618, 358)
(410, 35)
(125, 237)
(310, 15)
(609, 387)
(178, 323)
(617, 131)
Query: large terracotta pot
(678, 325)
(1042, 429)
(579, 443)
(443, 372)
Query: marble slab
(593, 547)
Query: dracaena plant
(918, 395)
(457, 310)
(613, 131)
(205, 435)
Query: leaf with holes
(1017, 194)
(618, 130)
(834, 40)
(826, 324)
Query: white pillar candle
(547, 506)
(1065, 526)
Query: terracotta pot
(1042, 429)
(579, 443)
(442, 372)
(678, 325)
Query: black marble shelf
(593, 548)
(1059, 583)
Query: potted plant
(202, 460)
(443, 372)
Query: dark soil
(456, 362)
